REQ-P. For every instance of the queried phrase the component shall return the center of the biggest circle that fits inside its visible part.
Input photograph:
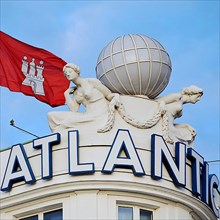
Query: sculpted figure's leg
(186, 132)
(59, 121)
(55, 119)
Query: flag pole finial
(12, 123)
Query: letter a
(18, 168)
(123, 142)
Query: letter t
(46, 143)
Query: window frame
(124, 206)
(41, 214)
(136, 208)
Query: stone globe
(134, 64)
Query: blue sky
(77, 31)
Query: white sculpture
(102, 105)
(174, 106)
(117, 104)
(89, 92)
(134, 64)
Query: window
(35, 217)
(125, 213)
(52, 215)
(145, 215)
(131, 213)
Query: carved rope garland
(161, 112)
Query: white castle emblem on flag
(34, 77)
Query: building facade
(126, 173)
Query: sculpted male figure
(174, 106)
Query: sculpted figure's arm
(103, 89)
(174, 97)
(71, 103)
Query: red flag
(32, 71)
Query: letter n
(161, 154)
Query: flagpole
(213, 161)
(13, 125)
